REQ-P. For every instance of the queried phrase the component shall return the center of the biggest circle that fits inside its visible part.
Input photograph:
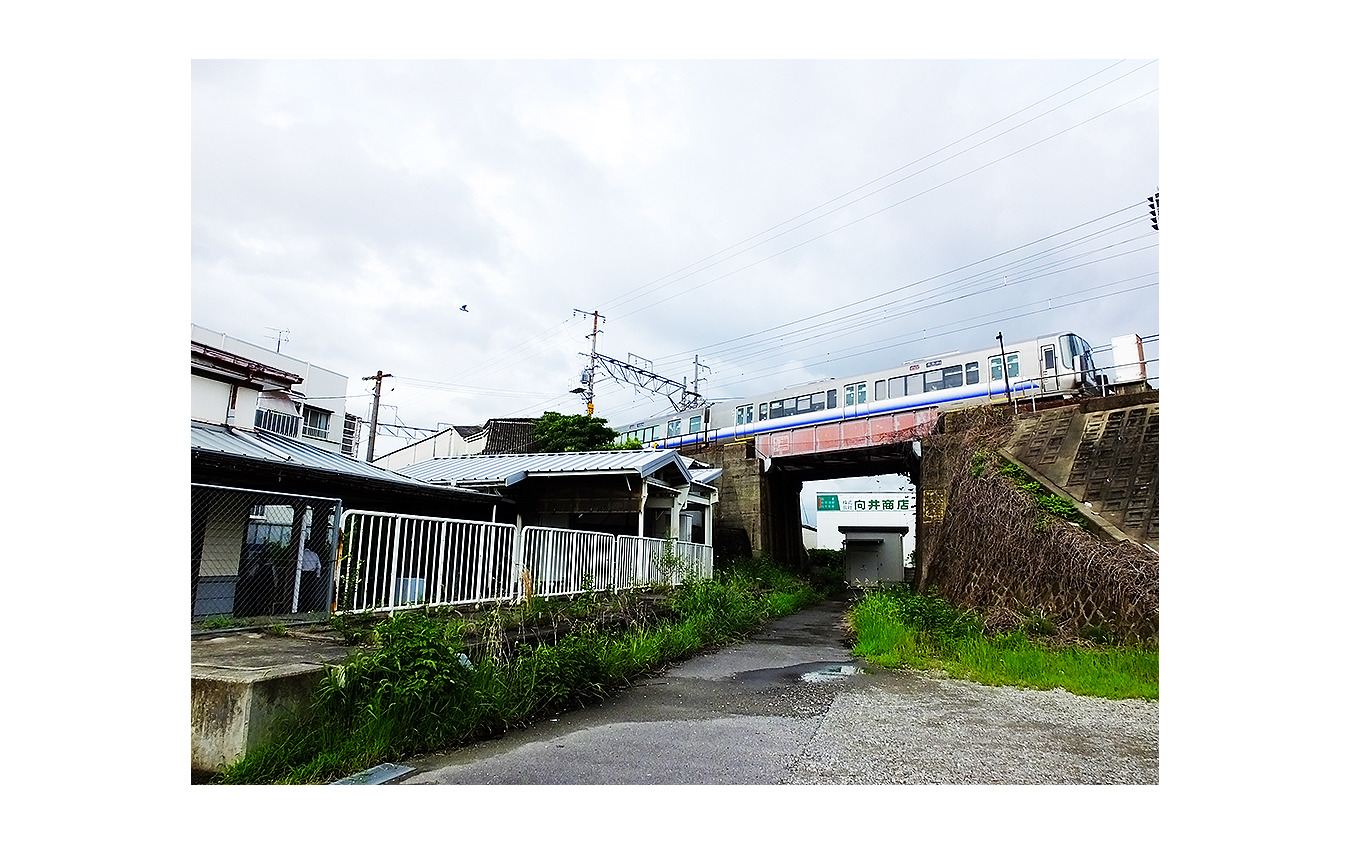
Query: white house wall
(321, 388)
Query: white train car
(1051, 366)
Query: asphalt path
(790, 705)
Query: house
(271, 477)
(240, 384)
(645, 493)
(497, 436)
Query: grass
(418, 688)
(897, 628)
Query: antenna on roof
(281, 336)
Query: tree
(575, 432)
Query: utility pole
(589, 375)
(697, 367)
(378, 377)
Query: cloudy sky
(779, 220)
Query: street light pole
(1003, 357)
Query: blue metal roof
(508, 469)
(274, 448)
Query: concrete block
(234, 710)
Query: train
(1053, 365)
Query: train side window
(914, 384)
(695, 423)
(862, 393)
(832, 399)
(895, 388)
(817, 401)
(848, 396)
(673, 428)
(1049, 352)
(776, 409)
(996, 367)
(855, 394)
(951, 376)
(973, 372)
(932, 380)
(763, 411)
(803, 404)
(879, 390)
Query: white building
(243, 385)
(872, 508)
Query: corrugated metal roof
(264, 445)
(507, 469)
(705, 476)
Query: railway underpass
(1101, 454)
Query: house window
(316, 422)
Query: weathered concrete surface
(781, 708)
(243, 687)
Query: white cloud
(360, 204)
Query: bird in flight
(464, 308)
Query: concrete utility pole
(378, 377)
(589, 374)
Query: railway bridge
(1101, 454)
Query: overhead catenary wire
(530, 349)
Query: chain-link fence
(260, 557)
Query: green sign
(827, 502)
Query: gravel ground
(924, 728)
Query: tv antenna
(283, 336)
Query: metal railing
(390, 561)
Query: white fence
(388, 561)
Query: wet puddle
(831, 673)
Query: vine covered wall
(993, 547)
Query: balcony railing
(277, 423)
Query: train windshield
(1071, 346)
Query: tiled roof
(509, 436)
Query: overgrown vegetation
(896, 627)
(421, 686)
(1009, 546)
